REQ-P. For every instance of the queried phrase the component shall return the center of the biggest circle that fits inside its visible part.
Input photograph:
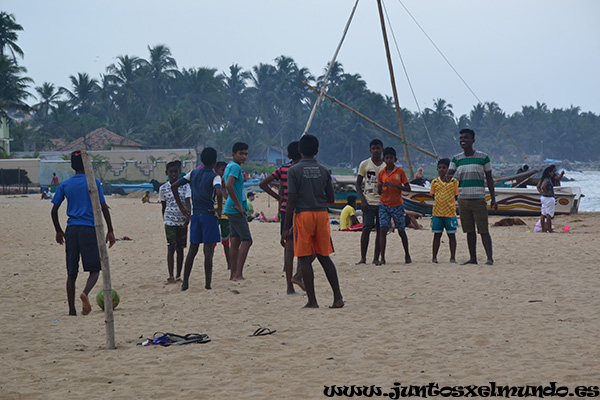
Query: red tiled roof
(100, 139)
(53, 144)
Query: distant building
(272, 155)
(4, 136)
(100, 139)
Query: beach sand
(530, 319)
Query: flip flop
(192, 338)
(167, 339)
(263, 332)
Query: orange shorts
(311, 234)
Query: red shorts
(311, 234)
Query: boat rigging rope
(326, 78)
(408, 79)
(461, 78)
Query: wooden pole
(394, 91)
(331, 64)
(369, 120)
(100, 238)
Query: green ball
(100, 299)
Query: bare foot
(434, 260)
(380, 262)
(490, 262)
(299, 282)
(311, 305)
(469, 262)
(178, 278)
(338, 304)
(407, 259)
(184, 286)
(453, 261)
(361, 261)
(376, 260)
(87, 307)
(170, 280)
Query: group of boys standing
(381, 199)
(305, 191)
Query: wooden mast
(394, 91)
(100, 237)
(369, 120)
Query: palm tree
(126, 76)
(9, 36)
(84, 90)
(13, 86)
(336, 76)
(235, 87)
(48, 96)
(161, 68)
(200, 93)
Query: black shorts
(371, 217)
(81, 241)
(238, 225)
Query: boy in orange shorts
(309, 191)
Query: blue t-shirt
(234, 169)
(79, 202)
(203, 183)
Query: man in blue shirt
(204, 223)
(236, 209)
(80, 236)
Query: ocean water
(589, 182)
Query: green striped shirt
(470, 173)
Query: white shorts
(548, 205)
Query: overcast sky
(513, 52)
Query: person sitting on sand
(251, 214)
(47, 194)
(80, 236)
(146, 197)
(410, 220)
(419, 178)
(348, 217)
(444, 210)
(309, 191)
(263, 218)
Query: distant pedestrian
(54, 183)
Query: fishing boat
(511, 200)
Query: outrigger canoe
(511, 201)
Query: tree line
(154, 102)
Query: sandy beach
(531, 319)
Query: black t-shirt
(309, 180)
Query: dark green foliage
(153, 102)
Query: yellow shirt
(346, 218)
(444, 203)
